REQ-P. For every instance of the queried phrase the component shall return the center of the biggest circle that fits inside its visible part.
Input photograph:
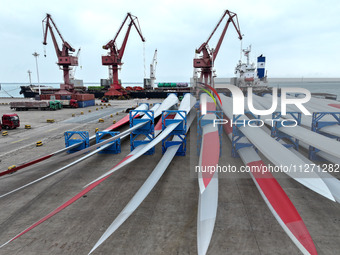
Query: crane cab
(69, 60)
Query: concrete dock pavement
(22, 142)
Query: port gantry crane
(115, 55)
(65, 59)
(153, 70)
(206, 60)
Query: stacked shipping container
(84, 100)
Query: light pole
(36, 55)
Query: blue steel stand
(202, 122)
(179, 131)
(148, 130)
(197, 105)
(317, 124)
(83, 140)
(237, 135)
(115, 144)
(277, 134)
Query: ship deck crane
(153, 70)
(206, 60)
(115, 55)
(65, 59)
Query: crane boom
(132, 18)
(205, 62)
(153, 66)
(73, 72)
(115, 55)
(153, 69)
(65, 59)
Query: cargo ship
(31, 91)
(161, 90)
(248, 75)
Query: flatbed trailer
(34, 105)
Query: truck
(69, 103)
(37, 105)
(9, 121)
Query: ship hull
(31, 91)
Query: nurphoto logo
(239, 105)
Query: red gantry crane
(65, 60)
(114, 57)
(206, 60)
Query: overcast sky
(299, 38)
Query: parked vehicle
(105, 100)
(9, 121)
(58, 104)
(37, 105)
(69, 103)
